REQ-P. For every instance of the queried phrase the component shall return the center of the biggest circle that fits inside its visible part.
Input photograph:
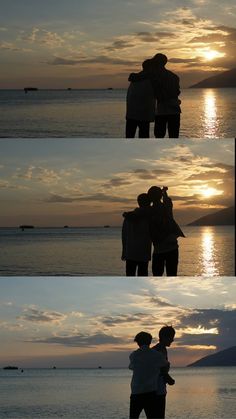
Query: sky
(96, 44)
(89, 182)
(87, 322)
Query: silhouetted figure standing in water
(140, 102)
(164, 233)
(145, 364)
(166, 337)
(136, 240)
(167, 90)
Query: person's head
(166, 335)
(143, 200)
(148, 65)
(160, 60)
(143, 338)
(155, 194)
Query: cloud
(100, 197)
(222, 320)
(41, 316)
(82, 340)
(12, 47)
(101, 59)
(42, 37)
(126, 319)
(38, 173)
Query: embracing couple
(153, 95)
(151, 224)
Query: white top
(145, 363)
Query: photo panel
(70, 339)
(65, 204)
(67, 65)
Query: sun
(211, 54)
(209, 192)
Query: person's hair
(143, 338)
(143, 199)
(147, 64)
(154, 193)
(160, 59)
(166, 332)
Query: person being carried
(167, 91)
(164, 232)
(166, 337)
(145, 364)
(140, 102)
(136, 241)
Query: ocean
(206, 251)
(199, 393)
(206, 113)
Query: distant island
(10, 367)
(225, 358)
(225, 79)
(225, 216)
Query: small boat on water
(30, 89)
(10, 367)
(24, 226)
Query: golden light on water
(208, 253)
(210, 113)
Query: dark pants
(133, 124)
(147, 402)
(170, 122)
(168, 260)
(132, 266)
(161, 404)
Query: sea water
(206, 113)
(206, 251)
(199, 393)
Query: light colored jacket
(145, 363)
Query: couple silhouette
(149, 225)
(150, 368)
(153, 96)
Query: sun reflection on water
(210, 114)
(208, 254)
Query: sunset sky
(87, 182)
(86, 322)
(96, 44)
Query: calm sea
(206, 251)
(199, 393)
(206, 113)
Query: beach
(206, 113)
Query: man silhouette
(166, 337)
(167, 90)
(164, 232)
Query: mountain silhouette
(225, 216)
(225, 79)
(225, 358)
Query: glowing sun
(209, 192)
(210, 54)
